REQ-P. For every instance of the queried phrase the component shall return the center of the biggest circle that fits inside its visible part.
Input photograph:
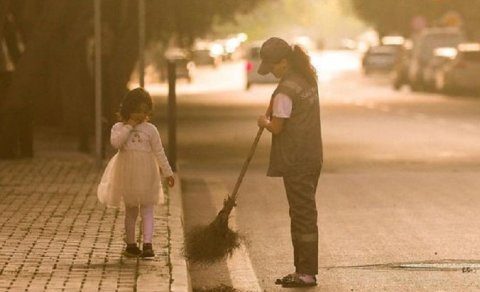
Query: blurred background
(47, 52)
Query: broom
(211, 243)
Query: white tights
(131, 214)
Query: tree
(392, 16)
(327, 21)
(53, 80)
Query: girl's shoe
(147, 252)
(132, 251)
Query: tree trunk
(4, 5)
(122, 59)
(71, 68)
(120, 68)
(28, 84)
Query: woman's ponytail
(300, 63)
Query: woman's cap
(272, 51)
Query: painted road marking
(240, 267)
(465, 266)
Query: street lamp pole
(141, 40)
(98, 81)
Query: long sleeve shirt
(142, 137)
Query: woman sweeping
(293, 118)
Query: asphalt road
(397, 198)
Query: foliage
(189, 19)
(393, 16)
(57, 63)
(329, 20)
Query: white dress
(132, 176)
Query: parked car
(422, 51)
(441, 56)
(184, 66)
(205, 56)
(252, 62)
(462, 72)
(379, 59)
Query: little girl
(132, 175)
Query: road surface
(398, 196)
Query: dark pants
(303, 215)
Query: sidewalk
(55, 236)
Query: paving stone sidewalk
(55, 236)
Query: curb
(179, 277)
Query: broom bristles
(214, 242)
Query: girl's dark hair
(132, 101)
(299, 61)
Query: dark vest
(298, 148)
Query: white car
(380, 59)
(461, 74)
(252, 62)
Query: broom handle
(246, 163)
